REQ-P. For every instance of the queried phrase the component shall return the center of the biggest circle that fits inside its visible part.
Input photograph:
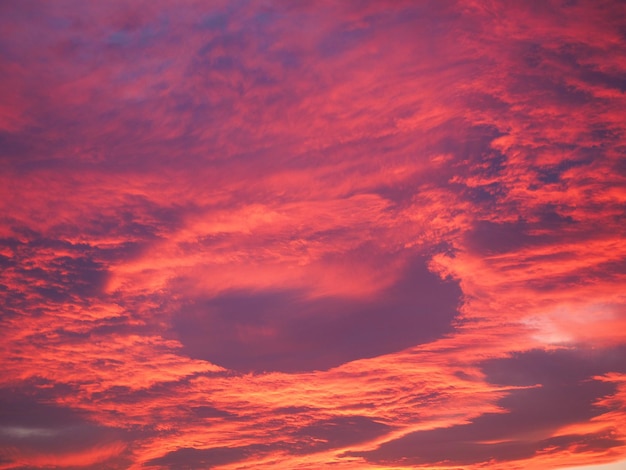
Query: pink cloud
(294, 235)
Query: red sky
(314, 234)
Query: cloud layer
(295, 235)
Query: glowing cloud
(293, 235)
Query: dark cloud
(338, 432)
(321, 435)
(31, 424)
(76, 276)
(283, 331)
(559, 367)
(566, 395)
(489, 237)
(190, 458)
(206, 411)
(552, 173)
(452, 449)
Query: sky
(263, 234)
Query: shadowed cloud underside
(264, 331)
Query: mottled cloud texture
(312, 234)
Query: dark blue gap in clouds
(566, 396)
(281, 330)
(332, 433)
(63, 277)
(190, 458)
(322, 435)
(488, 238)
(30, 424)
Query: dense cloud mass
(297, 235)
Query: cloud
(192, 458)
(284, 331)
(35, 433)
(293, 235)
(561, 394)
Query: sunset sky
(316, 234)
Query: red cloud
(296, 235)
